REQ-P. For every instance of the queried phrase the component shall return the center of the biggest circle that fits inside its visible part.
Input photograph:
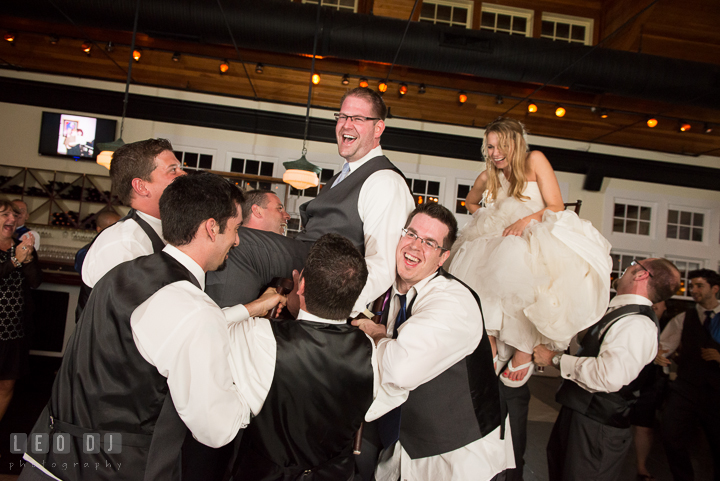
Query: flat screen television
(70, 135)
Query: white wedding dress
(539, 288)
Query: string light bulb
(137, 54)
(652, 122)
(224, 66)
(315, 78)
(560, 111)
(402, 90)
(382, 87)
(363, 83)
(684, 126)
(462, 97)
(532, 108)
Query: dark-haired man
(695, 394)
(311, 381)
(140, 172)
(592, 433)
(367, 202)
(150, 356)
(263, 210)
(436, 367)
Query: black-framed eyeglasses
(637, 263)
(356, 119)
(430, 244)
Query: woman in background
(19, 272)
(542, 274)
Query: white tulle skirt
(539, 288)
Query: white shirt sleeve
(629, 345)
(118, 243)
(445, 327)
(671, 335)
(183, 333)
(383, 205)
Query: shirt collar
(306, 316)
(625, 299)
(416, 288)
(701, 310)
(188, 263)
(376, 152)
(154, 222)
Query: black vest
(611, 409)
(321, 390)
(105, 385)
(157, 243)
(456, 408)
(335, 209)
(693, 371)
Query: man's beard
(222, 266)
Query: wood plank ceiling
(685, 30)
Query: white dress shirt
(671, 335)
(254, 352)
(383, 205)
(445, 326)
(121, 242)
(629, 345)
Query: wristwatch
(15, 262)
(556, 360)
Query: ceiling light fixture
(532, 108)
(499, 100)
(560, 111)
(363, 83)
(707, 128)
(137, 53)
(421, 89)
(176, 57)
(54, 39)
(345, 80)
(652, 122)
(259, 68)
(402, 90)
(86, 47)
(224, 66)
(604, 114)
(10, 37)
(462, 97)
(684, 126)
(382, 87)
(315, 78)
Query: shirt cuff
(237, 313)
(567, 366)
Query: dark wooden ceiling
(684, 30)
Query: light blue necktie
(345, 171)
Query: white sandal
(510, 368)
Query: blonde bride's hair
(511, 140)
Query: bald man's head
(105, 219)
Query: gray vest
(335, 210)
(456, 408)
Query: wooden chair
(575, 205)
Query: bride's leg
(519, 358)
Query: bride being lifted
(542, 273)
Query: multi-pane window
(424, 191)
(685, 225)
(622, 261)
(349, 5)
(462, 191)
(563, 28)
(632, 219)
(194, 160)
(442, 12)
(685, 266)
(325, 175)
(513, 21)
(253, 167)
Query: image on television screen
(76, 136)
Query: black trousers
(580, 449)
(517, 402)
(683, 412)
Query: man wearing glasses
(592, 433)
(439, 388)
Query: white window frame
(588, 23)
(693, 210)
(465, 4)
(196, 150)
(428, 178)
(529, 15)
(675, 259)
(458, 183)
(639, 203)
(336, 7)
